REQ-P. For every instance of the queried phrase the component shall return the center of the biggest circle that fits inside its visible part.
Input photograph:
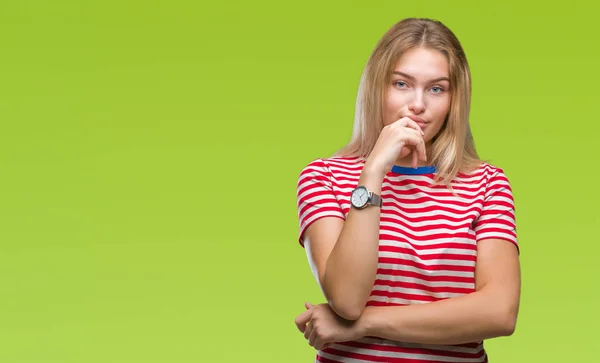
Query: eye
(400, 84)
(437, 89)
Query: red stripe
(403, 226)
(426, 218)
(405, 296)
(372, 358)
(436, 267)
(444, 278)
(498, 232)
(413, 350)
(332, 212)
(423, 287)
(459, 246)
(325, 360)
(402, 251)
(425, 237)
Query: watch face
(360, 196)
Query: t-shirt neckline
(420, 170)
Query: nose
(417, 104)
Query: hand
(321, 326)
(397, 140)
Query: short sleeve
(497, 218)
(315, 196)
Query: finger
(422, 150)
(319, 343)
(417, 142)
(408, 122)
(312, 338)
(308, 331)
(415, 159)
(406, 150)
(412, 138)
(308, 305)
(302, 319)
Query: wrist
(364, 324)
(371, 171)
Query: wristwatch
(362, 197)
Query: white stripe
(465, 218)
(304, 215)
(414, 280)
(422, 253)
(396, 300)
(402, 267)
(432, 216)
(418, 191)
(423, 234)
(494, 225)
(309, 178)
(315, 189)
(502, 216)
(345, 171)
(340, 359)
(460, 210)
(447, 348)
(497, 199)
(316, 216)
(468, 242)
(418, 292)
(432, 263)
(408, 355)
(496, 235)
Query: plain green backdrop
(149, 153)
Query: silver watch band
(375, 199)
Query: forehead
(423, 63)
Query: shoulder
(333, 166)
(484, 171)
(491, 181)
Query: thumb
(308, 305)
(302, 319)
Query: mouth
(422, 123)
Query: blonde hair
(453, 149)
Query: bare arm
(490, 311)
(343, 254)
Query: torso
(427, 252)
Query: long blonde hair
(453, 148)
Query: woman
(409, 234)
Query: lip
(422, 123)
(417, 119)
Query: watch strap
(375, 199)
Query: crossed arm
(489, 312)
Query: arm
(490, 311)
(343, 254)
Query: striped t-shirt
(427, 243)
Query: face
(419, 89)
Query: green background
(149, 153)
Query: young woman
(410, 236)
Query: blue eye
(400, 83)
(439, 89)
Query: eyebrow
(413, 78)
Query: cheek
(441, 109)
(439, 113)
(393, 105)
